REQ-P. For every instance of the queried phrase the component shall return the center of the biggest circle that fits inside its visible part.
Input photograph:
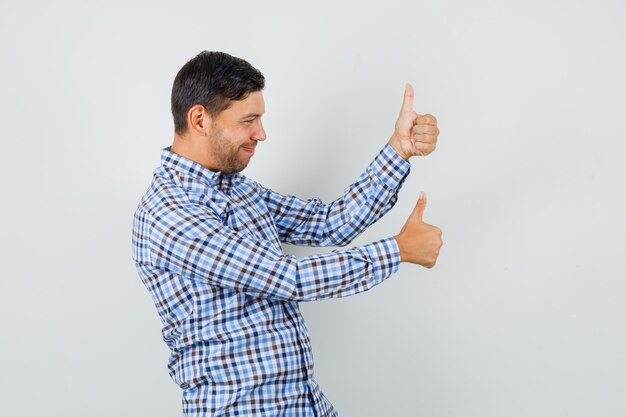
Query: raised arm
(315, 223)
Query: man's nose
(259, 133)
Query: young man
(207, 245)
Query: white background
(524, 313)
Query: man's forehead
(251, 105)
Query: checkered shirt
(207, 246)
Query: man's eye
(248, 121)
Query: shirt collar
(217, 179)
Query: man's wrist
(394, 142)
(396, 237)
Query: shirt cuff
(386, 256)
(390, 167)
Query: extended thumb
(420, 206)
(407, 101)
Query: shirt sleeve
(315, 223)
(192, 242)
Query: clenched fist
(414, 134)
(419, 242)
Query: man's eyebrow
(251, 114)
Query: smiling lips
(249, 148)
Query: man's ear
(198, 120)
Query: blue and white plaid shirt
(207, 246)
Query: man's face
(235, 132)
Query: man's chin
(235, 169)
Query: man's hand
(414, 134)
(419, 242)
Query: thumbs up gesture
(419, 242)
(414, 134)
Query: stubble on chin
(234, 163)
(228, 155)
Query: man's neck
(193, 149)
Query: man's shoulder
(166, 192)
(252, 185)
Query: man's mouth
(248, 148)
